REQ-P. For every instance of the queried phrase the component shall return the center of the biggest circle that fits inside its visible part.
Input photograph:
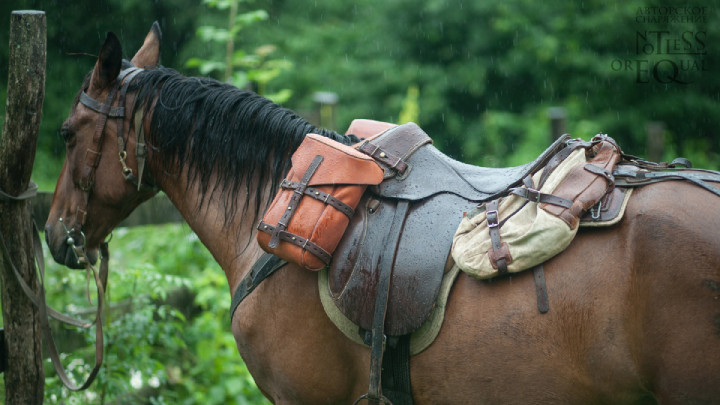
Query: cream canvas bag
(533, 232)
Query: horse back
(675, 292)
(634, 316)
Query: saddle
(388, 267)
(405, 225)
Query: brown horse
(635, 308)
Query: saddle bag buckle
(492, 218)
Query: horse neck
(231, 241)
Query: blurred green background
(481, 77)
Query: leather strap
(543, 302)
(499, 253)
(294, 202)
(265, 267)
(378, 338)
(141, 150)
(91, 103)
(45, 311)
(535, 196)
(50, 342)
(92, 156)
(34, 298)
(320, 196)
(30, 192)
(393, 162)
(396, 371)
(631, 178)
(297, 240)
(37, 249)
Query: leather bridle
(93, 153)
(87, 181)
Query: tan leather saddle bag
(316, 200)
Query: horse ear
(149, 54)
(108, 64)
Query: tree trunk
(24, 377)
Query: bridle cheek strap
(93, 154)
(141, 150)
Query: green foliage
(478, 76)
(159, 348)
(474, 60)
(410, 110)
(244, 70)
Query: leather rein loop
(45, 310)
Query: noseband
(93, 153)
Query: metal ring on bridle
(70, 240)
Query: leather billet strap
(297, 240)
(320, 196)
(297, 195)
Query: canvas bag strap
(499, 252)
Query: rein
(45, 310)
(87, 181)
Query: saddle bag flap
(316, 200)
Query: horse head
(102, 178)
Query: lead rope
(40, 302)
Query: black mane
(216, 128)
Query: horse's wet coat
(635, 314)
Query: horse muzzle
(68, 247)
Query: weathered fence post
(557, 115)
(24, 377)
(655, 140)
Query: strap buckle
(492, 217)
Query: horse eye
(66, 134)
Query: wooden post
(24, 378)
(655, 140)
(557, 122)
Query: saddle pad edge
(614, 220)
(420, 339)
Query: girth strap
(396, 371)
(262, 269)
(378, 338)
